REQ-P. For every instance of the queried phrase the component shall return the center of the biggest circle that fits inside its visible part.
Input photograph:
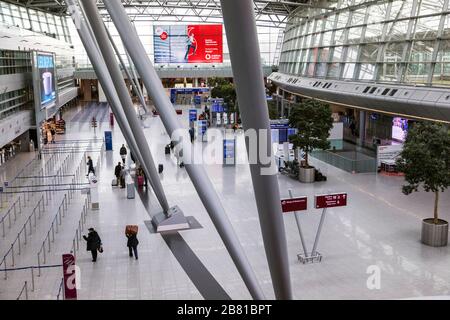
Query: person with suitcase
(94, 243)
(132, 241)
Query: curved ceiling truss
(270, 13)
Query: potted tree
(425, 160)
(313, 121)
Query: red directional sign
(331, 200)
(294, 204)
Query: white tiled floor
(379, 227)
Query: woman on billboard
(191, 43)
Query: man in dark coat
(117, 171)
(94, 243)
(132, 244)
(90, 165)
(123, 153)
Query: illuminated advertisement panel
(399, 129)
(188, 44)
(47, 78)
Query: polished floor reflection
(379, 230)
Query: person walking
(123, 174)
(118, 171)
(191, 134)
(94, 243)
(132, 244)
(123, 153)
(90, 165)
(53, 132)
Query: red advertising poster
(331, 200)
(188, 43)
(70, 290)
(206, 43)
(294, 204)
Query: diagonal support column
(101, 70)
(136, 80)
(135, 85)
(240, 26)
(198, 175)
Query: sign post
(295, 205)
(70, 288)
(302, 204)
(324, 202)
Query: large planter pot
(306, 175)
(435, 235)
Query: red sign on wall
(70, 290)
(294, 204)
(331, 200)
(208, 43)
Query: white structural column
(144, 153)
(240, 26)
(130, 77)
(198, 175)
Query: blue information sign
(192, 115)
(108, 141)
(229, 154)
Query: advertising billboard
(188, 44)
(47, 78)
(399, 129)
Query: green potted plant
(425, 161)
(313, 121)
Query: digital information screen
(188, 44)
(47, 78)
(399, 129)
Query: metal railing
(81, 223)
(23, 232)
(12, 209)
(62, 209)
(344, 163)
(60, 290)
(24, 289)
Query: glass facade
(35, 20)
(402, 41)
(268, 39)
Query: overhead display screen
(188, 44)
(399, 129)
(47, 78)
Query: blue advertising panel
(198, 100)
(229, 151)
(173, 95)
(108, 141)
(192, 115)
(47, 78)
(283, 135)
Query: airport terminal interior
(224, 149)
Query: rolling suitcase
(130, 191)
(160, 168)
(131, 229)
(140, 181)
(114, 182)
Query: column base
(173, 221)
